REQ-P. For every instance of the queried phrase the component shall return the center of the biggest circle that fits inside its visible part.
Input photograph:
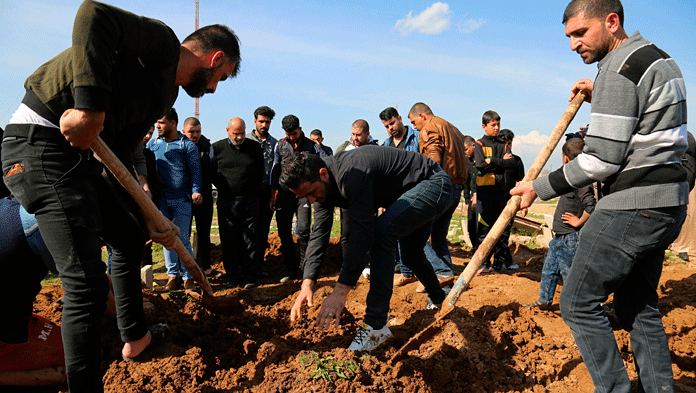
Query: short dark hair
(264, 111)
(506, 135)
(420, 107)
(217, 37)
(301, 167)
(488, 116)
(360, 123)
(191, 121)
(573, 147)
(171, 115)
(388, 114)
(317, 132)
(593, 9)
(468, 139)
(290, 122)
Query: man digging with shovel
(121, 73)
(635, 143)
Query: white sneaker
(366, 272)
(432, 306)
(368, 338)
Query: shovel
(508, 214)
(221, 305)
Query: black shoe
(232, 284)
(684, 256)
(293, 275)
(250, 285)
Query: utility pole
(196, 113)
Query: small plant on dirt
(327, 367)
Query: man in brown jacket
(442, 142)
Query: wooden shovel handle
(148, 208)
(513, 205)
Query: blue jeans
(437, 251)
(621, 252)
(178, 210)
(409, 218)
(558, 260)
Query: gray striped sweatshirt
(637, 133)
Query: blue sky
(331, 63)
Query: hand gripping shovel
(221, 305)
(501, 223)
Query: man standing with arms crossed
(203, 212)
(120, 75)
(636, 139)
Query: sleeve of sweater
(100, 32)
(614, 116)
(318, 241)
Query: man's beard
(199, 82)
(236, 143)
(263, 133)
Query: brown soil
(490, 343)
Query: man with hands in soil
(121, 73)
(634, 145)
(413, 189)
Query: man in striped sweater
(636, 139)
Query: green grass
(327, 367)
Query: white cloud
(471, 25)
(434, 20)
(533, 138)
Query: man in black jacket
(237, 164)
(414, 191)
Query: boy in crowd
(469, 192)
(573, 210)
(493, 157)
(511, 177)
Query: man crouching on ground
(413, 189)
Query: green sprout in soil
(327, 367)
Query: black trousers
(75, 207)
(287, 205)
(239, 239)
(203, 214)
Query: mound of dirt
(490, 343)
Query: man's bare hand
(167, 238)
(526, 191)
(332, 308)
(585, 85)
(81, 127)
(571, 219)
(305, 296)
(196, 198)
(507, 156)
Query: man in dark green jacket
(121, 73)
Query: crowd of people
(122, 74)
